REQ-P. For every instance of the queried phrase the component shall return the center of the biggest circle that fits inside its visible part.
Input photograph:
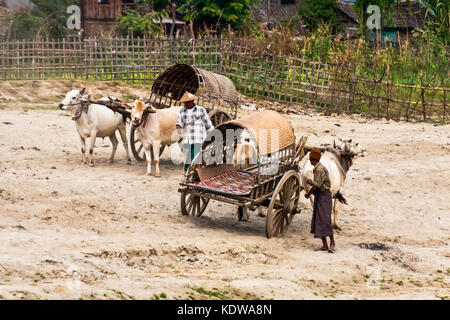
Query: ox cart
(272, 180)
(216, 94)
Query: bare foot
(322, 249)
(332, 248)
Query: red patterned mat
(236, 182)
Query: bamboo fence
(289, 79)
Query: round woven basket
(210, 87)
(271, 131)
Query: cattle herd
(157, 128)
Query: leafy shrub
(141, 24)
(318, 12)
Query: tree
(318, 12)
(171, 6)
(439, 10)
(44, 19)
(219, 13)
(141, 24)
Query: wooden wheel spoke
(282, 196)
(278, 220)
(281, 227)
(290, 189)
(188, 199)
(136, 145)
(287, 218)
(198, 207)
(278, 205)
(188, 203)
(285, 196)
(194, 207)
(204, 202)
(191, 204)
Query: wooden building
(405, 18)
(99, 17)
(273, 12)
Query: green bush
(141, 24)
(221, 13)
(47, 19)
(318, 12)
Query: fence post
(85, 42)
(272, 63)
(445, 106)
(388, 82)
(422, 97)
(220, 55)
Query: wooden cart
(271, 181)
(216, 93)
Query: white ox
(94, 120)
(338, 161)
(155, 127)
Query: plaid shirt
(195, 125)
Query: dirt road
(68, 231)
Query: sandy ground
(68, 231)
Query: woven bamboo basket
(271, 131)
(212, 89)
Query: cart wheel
(218, 116)
(192, 205)
(138, 149)
(283, 205)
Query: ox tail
(340, 197)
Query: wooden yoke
(115, 105)
(300, 150)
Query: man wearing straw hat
(321, 219)
(193, 123)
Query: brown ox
(155, 127)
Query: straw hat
(188, 97)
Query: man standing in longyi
(323, 204)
